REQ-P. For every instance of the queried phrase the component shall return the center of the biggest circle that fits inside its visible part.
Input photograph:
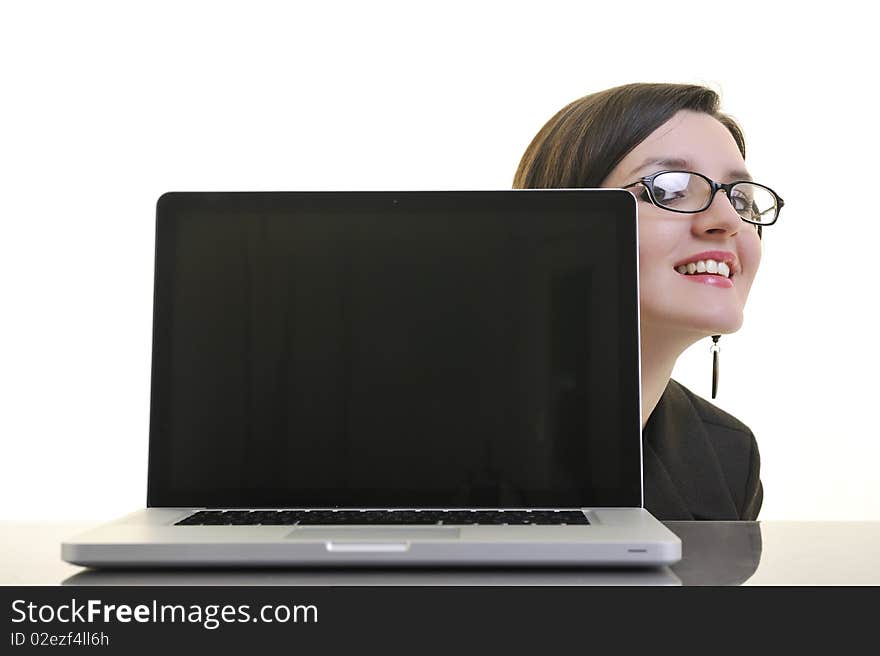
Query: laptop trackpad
(360, 533)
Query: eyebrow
(737, 174)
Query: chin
(716, 325)
(720, 322)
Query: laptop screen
(396, 350)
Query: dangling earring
(715, 350)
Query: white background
(106, 105)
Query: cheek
(658, 240)
(750, 249)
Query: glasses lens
(754, 202)
(679, 190)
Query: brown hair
(586, 139)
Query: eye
(669, 196)
(673, 186)
(741, 201)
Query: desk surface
(714, 553)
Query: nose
(719, 218)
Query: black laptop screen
(390, 350)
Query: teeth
(705, 266)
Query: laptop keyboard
(382, 517)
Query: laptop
(431, 378)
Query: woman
(698, 255)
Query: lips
(711, 279)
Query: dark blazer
(699, 461)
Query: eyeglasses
(689, 193)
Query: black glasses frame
(648, 183)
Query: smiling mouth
(705, 267)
